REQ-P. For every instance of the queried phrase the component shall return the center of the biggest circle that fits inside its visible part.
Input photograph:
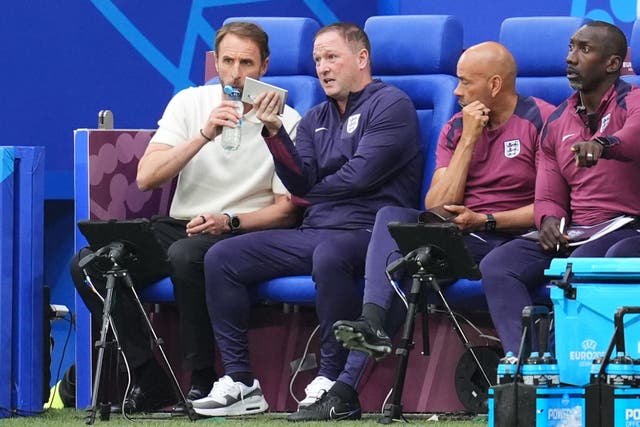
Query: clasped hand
(207, 224)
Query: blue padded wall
(6, 274)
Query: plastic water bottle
(552, 370)
(507, 368)
(540, 371)
(621, 371)
(231, 136)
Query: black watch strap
(490, 223)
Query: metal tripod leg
(393, 410)
(465, 341)
(106, 314)
(158, 344)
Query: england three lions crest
(352, 123)
(511, 148)
(605, 122)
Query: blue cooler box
(540, 406)
(608, 406)
(626, 407)
(584, 325)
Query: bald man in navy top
(588, 173)
(485, 173)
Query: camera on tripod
(114, 253)
(432, 252)
(121, 249)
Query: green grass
(66, 417)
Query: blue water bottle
(507, 368)
(532, 369)
(541, 371)
(620, 371)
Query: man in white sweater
(219, 194)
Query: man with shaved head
(485, 173)
(588, 173)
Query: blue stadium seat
(425, 71)
(539, 45)
(634, 44)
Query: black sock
(374, 313)
(245, 378)
(344, 391)
(203, 378)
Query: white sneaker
(228, 397)
(314, 391)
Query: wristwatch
(234, 223)
(490, 223)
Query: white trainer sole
(250, 405)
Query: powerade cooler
(585, 300)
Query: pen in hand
(562, 224)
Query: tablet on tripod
(142, 251)
(448, 255)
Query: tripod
(116, 254)
(431, 262)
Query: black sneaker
(361, 334)
(329, 407)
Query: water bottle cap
(231, 91)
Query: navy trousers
(334, 258)
(382, 251)
(511, 272)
